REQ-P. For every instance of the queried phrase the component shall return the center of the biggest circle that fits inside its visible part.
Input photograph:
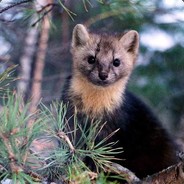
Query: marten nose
(103, 75)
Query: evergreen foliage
(60, 155)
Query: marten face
(103, 59)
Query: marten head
(103, 59)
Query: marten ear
(80, 35)
(130, 41)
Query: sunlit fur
(97, 96)
(96, 99)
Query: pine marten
(102, 64)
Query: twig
(47, 5)
(15, 4)
(36, 177)
(44, 14)
(2, 168)
(92, 175)
(63, 136)
(128, 175)
(15, 168)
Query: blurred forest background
(36, 35)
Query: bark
(65, 24)
(172, 175)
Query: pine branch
(46, 10)
(34, 175)
(46, 6)
(14, 167)
(42, 16)
(16, 141)
(68, 11)
(56, 162)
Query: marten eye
(116, 62)
(91, 60)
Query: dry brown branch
(128, 175)
(36, 177)
(172, 175)
(15, 168)
(63, 136)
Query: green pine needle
(21, 162)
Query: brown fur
(91, 98)
(97, 90)
(95, 99)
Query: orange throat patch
(95, 100)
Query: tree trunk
(65, 24)
(27, 59)
(40, 60)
